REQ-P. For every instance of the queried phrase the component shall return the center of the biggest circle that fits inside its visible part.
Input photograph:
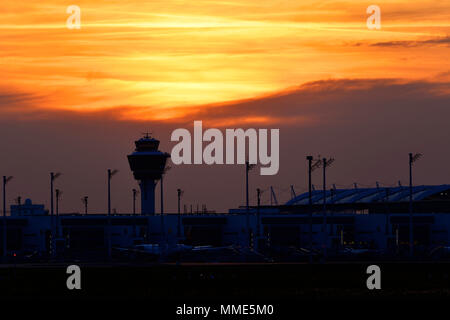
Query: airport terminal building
(376, 219)
(357, 218)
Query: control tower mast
(147, 164)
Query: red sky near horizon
(164, 60)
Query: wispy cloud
(310, 104)
(445, 41)
(14, 102)
(168, 56)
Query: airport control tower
(147, 164)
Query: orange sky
(158, 60)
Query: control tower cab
(147, 164)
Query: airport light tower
(147, 164)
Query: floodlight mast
(111, 173)
(53, 176)
(85, 202)
(162, 188)
(179, 194)
(325, 163)
(163, 233)
(309, 159)
(258, 194)
(412, 158)
(311, 168)
(5, 181)
(248, 167)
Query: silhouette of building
(147, 164)
(370, 218)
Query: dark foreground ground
(286, 286)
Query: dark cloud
(325, 102)
(429, 42)
(15, 101)
(369, 126)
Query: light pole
(311, 167)
(163, 233)
(248, 167)
(53, 176)
(310, 158)
(258, 194)
(325, 163)
(5, 181)
(111, 173)
(412, 159)
(85, 203)
(179, 194)
(162, 188)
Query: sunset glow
(160, 60)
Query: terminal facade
(361, 226)
(375, 219)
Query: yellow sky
(157, 59)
